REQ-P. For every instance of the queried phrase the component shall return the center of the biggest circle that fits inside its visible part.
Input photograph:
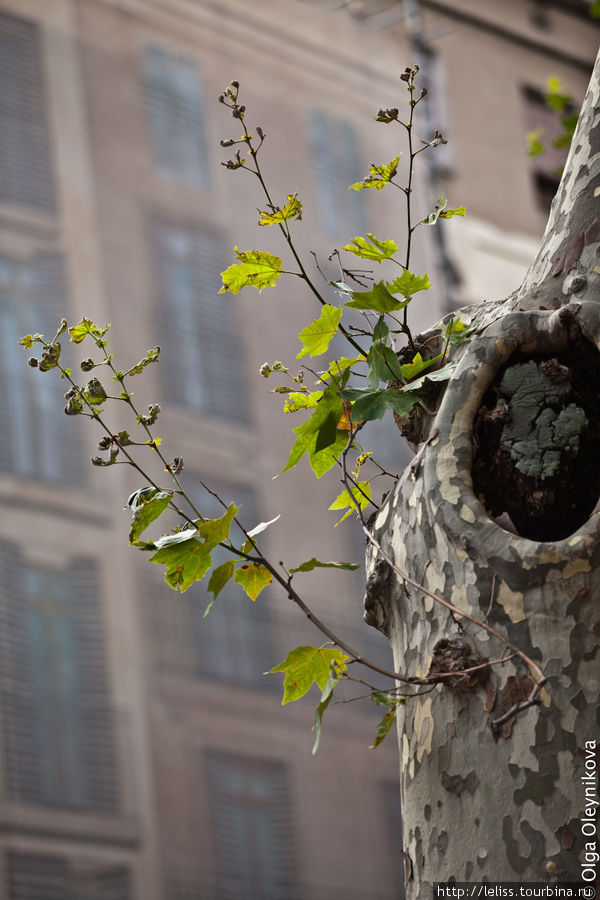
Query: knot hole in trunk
(536, 460)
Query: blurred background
(143, 754)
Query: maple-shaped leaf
(317, 336)
(256, 268)
(253, 578)
(291, 210)
(408, 284)
(372, 248)
(306, 666)
(378, 177)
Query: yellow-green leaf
(253, 578)
(379, 176)
(82, 329)
(186, 562)
(217, 581)
(146, 505)
(384, 726)
(361, 494)
(313, 563)
(408, 284)
(296, 401)
(306, 666)
(317, 336)
(256, 268)
(291, 210)
(373, 248)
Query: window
(57, 725)
(546, 168)
(175, 109)
(36, 439)
(337, 165)
(202, 354)
(252, 828)
(234, 642)
(37, 876)
(25, 166)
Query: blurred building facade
(143, 754)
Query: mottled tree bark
(485, 803)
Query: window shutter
(202, 360)
(96, 715)
(252, 828)
(174, 100)
(25, 166)
(36, 438)
(235, 642)
(337, 164)
(37, 876)
(58, 728)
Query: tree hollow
(536, 461)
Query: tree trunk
(496, 514)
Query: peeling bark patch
(536, 467)
(517, 689)
(456, 784)
(517, 862)
(511, 602)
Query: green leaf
(369, 405)
(432, 218)
(94, 392)
(256, 268)
(219, 577)
(533, 143)
(378, 298)
(82, 329)
(595, 10)
(28, 340)
(186, 561)
(408, 284)
(253, 578)
(151, 356)
(442, 374)
(291, 210)
(448, 213)
(379, 176)
(457, 332)
(306, 666)
(147, 504)
(384, 726)
(186, 557)
(313, 563)
(329, 406)
(372, 249)
(324, 460)
(555, 97)
(372, 405)
(383, 364)
(337, 367)
(296, 401)
(323, 704)
(361, 493)
(412, 369)
(317, 336)
(215, 531)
